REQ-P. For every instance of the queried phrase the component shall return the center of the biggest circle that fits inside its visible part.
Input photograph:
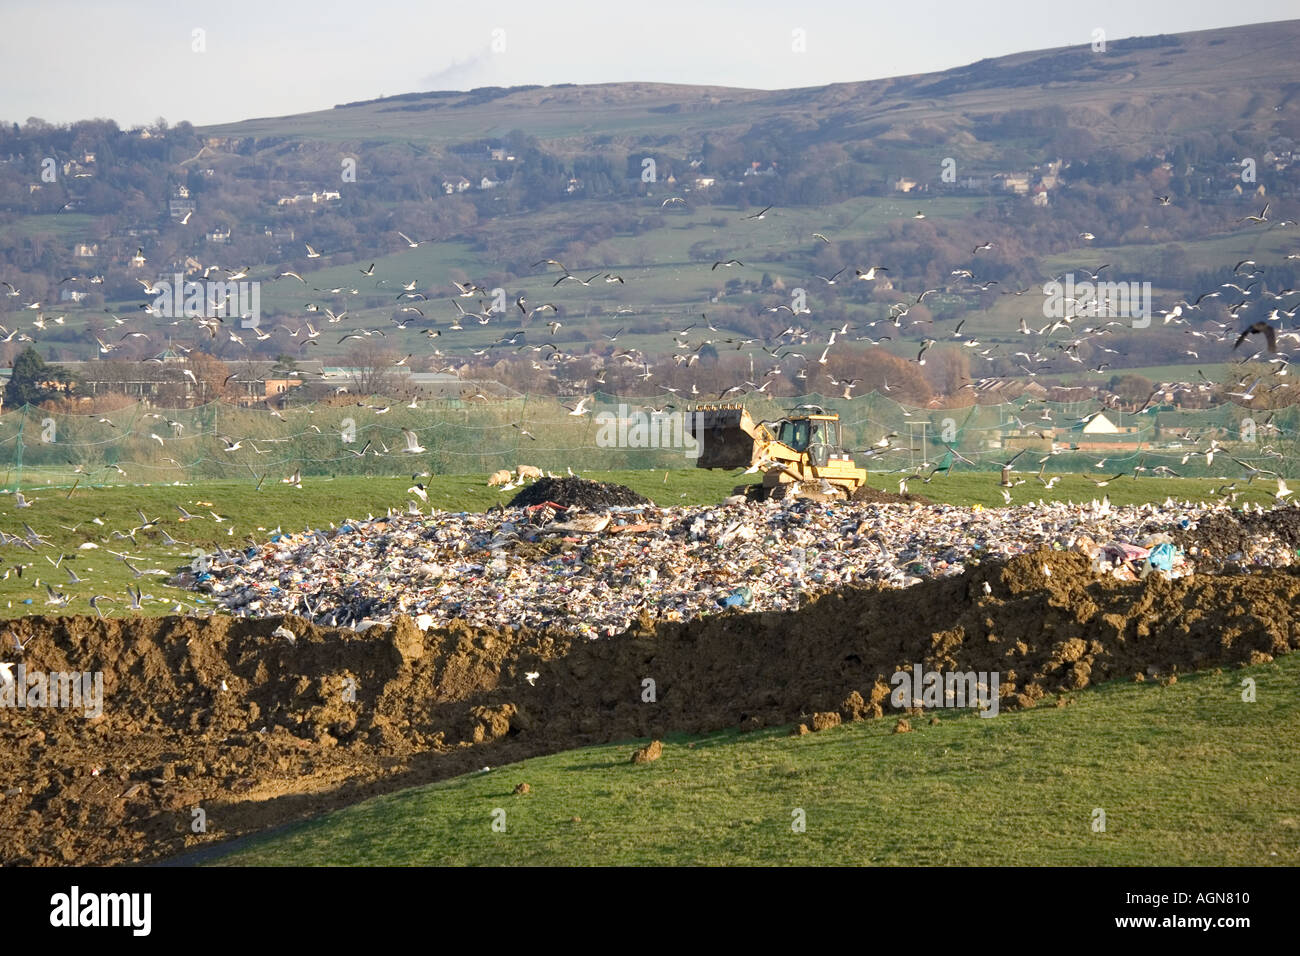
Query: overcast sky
(64, 60)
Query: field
(1019, 790)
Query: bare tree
(371, 368)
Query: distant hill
(1014, 169)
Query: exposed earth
(259, 729)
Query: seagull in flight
(1262, 217)
(758, 215)
(581, 408)
(1259, 328)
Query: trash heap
(595, 572)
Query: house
(704, 182)
(86, 250)
(486, 183)
(1017, 183)
(71, 295)
(1039, 197)
(219, 235)
(575, 185)
(180, 208)
(457, 185)
(903, 185)
(499, 155)
(1100, 425)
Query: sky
(65, 60)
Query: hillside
(1026, 153)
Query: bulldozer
(802, 452)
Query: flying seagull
(1259, 328)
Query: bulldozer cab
(818, 436)
(795, 434)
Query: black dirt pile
(575, 492)
(1223, 533)
(260, 730)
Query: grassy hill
(1020, 789)
(1198, 101)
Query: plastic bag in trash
(1162, 557)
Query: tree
(371, 369)
(34, 381)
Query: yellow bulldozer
(802, 452)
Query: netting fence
(143, 444)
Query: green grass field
(250, 516)
(1185, 775)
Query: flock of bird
(798, 350)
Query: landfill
(597, 572)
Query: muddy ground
(283, 740)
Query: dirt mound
(576, 492)
(257, 729)
(1221, 534)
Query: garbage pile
(596, 572)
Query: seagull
(671, 200)
(758, 215)
(729, 263)
(1262, 217)
(419, 491)
(1006, 468)
(870, 273)
(413, 445)
(531, 677)
(311, 253)
(580, 408)
(21, 502)
(1259, 328)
